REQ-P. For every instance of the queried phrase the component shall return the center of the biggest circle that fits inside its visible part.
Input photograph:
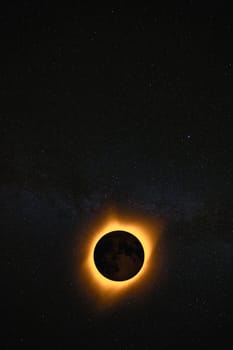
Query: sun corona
(99, 289)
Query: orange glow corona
(101, 290)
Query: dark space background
(131, 107)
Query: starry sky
(131, 108)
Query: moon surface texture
(119, 255)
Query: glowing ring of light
(100, 288)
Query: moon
(119, 255)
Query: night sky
(130, 108)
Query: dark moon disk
(118, 255)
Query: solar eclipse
(116, 257)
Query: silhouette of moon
(118, 255)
